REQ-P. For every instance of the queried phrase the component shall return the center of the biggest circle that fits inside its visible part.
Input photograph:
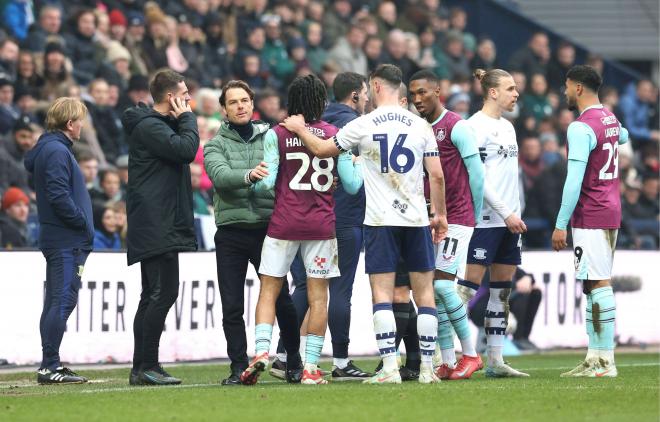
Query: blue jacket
(349, 209)
(635, 115)
(64, 206)
(104, 242)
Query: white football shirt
(393, 143)
(496, 138)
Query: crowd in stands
(103, 52)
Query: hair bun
(479, 74)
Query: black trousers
(524, 307)
(234, 248)
(160, 288)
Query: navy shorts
(385, 245)
(495, 245)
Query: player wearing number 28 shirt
(591, 200)
(303, 219)
(395, 145)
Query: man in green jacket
(234, 161)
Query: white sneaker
(427, 376)
(578, 371)
(502, 370)
(599, 368)
(383, 377)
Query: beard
(571, 103)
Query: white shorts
(451, 252)
(319, 257)
(594, 252)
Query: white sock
(607, 355)
(282, 357)
(467, 346)
(495, 320)
(310, 367)
(340, 363)
(449, 357)
(385, 329)
(427, 329)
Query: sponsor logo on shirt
(608, 120)
(479, 253)
(399, 206)
(510, 151)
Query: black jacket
(65, 210)
(159, 197)
(13, 234)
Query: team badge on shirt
(320, 262)
(440, 134)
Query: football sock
(445, 291)
(495, 320)
(427, 328)
(466, 290)
(411, 339)
(603, 313)
(313, 349)
(445, 338)
(385, 329)
(340, 363)
(263, 334)
(591, 351)
(401, 317)
(303, 345)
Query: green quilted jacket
(227, 157)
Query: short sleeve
(581, 141)
(350, 135)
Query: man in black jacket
(163, 141)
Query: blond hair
(63, 110)
(490, 78)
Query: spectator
(156, 41)
(457, 63)
(109, 188)
(373, 51)
(8, 59)
(486, 57)
(268, 108)
(535, 100)
(256, 40)
(57, 78)
(13, 219)
(8, 112)
(457, 22)
(89, 166)
(347, 52)
(316, 53)
(609, 98)
(82, 48)
(274, 53)
(191, 45)
(251, 72)
(636, 105)
(530, 161)
(105, 229)
(534, 57)
(137, 92)
(27, 78)
(201, 199)
(12, 152)
(105, 120)
(524, 303)
(122, 170)
(388, 19)
(396, 54)
(336, 21)
(46, 30)
(550, 147)
(216, 53)
(648, 201)
(134, 41)
(564, 59)
(120, 217)
(118, 25)
(116, 69)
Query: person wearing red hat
(13, 219)
(118, 25)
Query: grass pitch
(633, 397)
